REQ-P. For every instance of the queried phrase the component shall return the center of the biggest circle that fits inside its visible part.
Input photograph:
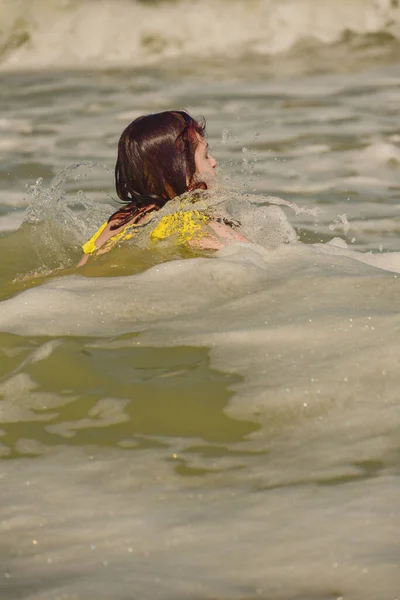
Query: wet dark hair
(155, 163)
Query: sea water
(178, 424)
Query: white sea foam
(381, 152)
(40, 33)
(79, 306)
(314, 335)
(22, 402)
(301, 324)
(11, 221)
(137, 528)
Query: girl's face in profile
(205, 163)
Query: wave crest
(106, 33)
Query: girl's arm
(83, 260)
(225, 232)
(225, 235)
(97, 241)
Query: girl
(162, 156)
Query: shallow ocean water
(183, 425)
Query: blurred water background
(184, 426)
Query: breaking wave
(123, 33)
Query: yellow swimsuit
(185, 225)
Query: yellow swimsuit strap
(90, 246)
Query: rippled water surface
(184, 425)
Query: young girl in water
(162, 156)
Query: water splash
(340, 220)
(57, 224)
